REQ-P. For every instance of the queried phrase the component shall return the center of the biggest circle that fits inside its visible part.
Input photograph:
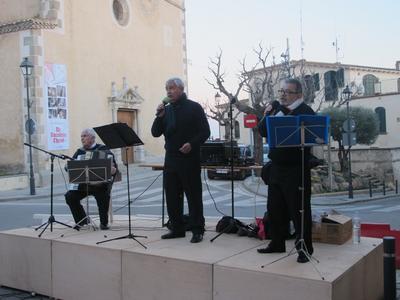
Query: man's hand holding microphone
(271, 108)
(161, 107)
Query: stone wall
(379, 162)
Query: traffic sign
(349, 125)
(250, 121)
(349, 137)
(30, 126)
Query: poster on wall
(56, 106)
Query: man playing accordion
(101, 191)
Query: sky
(367, 33)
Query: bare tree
(219, 111)
(259, 81)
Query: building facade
(371, 87)
(95, 63)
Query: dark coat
(184, 122)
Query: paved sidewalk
(255, 185)
(135, 173)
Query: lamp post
(217, 99)
(26, 68)
(347, 93)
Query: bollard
(389, 268)
(370, 189)
(384, 188)
(397, 187)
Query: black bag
(227, 221)
(266, 172)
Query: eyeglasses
(287, 92)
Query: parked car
(265, 153)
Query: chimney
(398, 65)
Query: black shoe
(77, 227)
(104, 227)
(173, 235)
(302, 258)
(196, 238)
(272, 249)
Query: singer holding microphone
(284, 195)
(185, 127)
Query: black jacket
(184, 121)
(288, 156)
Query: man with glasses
(284, 193)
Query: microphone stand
(51, 219)
(232, 221)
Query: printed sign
(56, 106)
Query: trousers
(184, 176)
(100, 193)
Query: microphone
(164, 101)
(275, 107)
(63, 156)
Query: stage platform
(66, 264)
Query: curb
(30, 197)
(332, 202)
(354, 200)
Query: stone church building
(94, 63)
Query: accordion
(94, 173)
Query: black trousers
(182, 175)
(284, 203)
(102, 196)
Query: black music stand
(51, 219)
(120, 135)
(87, 172)
(298, 131)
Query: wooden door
(128, 117)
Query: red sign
(250, 121)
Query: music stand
(119, 135)
(93, 171)
(298, 131)
(51, 219)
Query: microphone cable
(62, 173)
(132, 201)
(209, 192)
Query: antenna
(301, 30)
(286, 59)
(335, 44)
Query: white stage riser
(74, 267)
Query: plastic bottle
(356, 229)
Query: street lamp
(347, 94)
(217, 99)
(26, 68)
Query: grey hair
(295, 82)
(89, 131)
(176, 81)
